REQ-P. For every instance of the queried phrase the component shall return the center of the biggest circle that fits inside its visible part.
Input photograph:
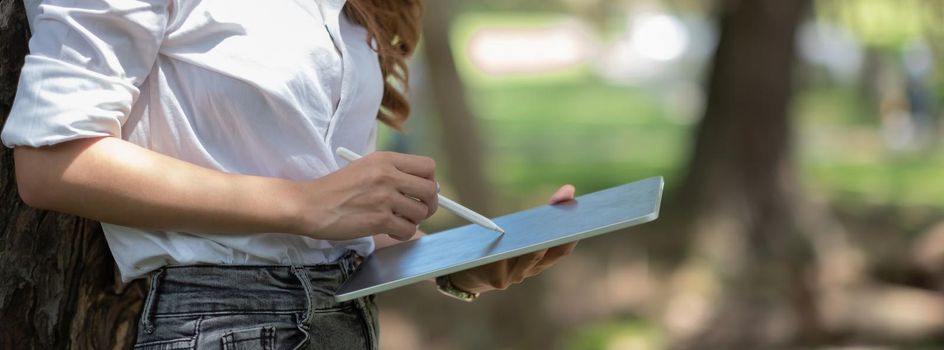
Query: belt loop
(302, 276)
(149, 301)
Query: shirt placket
(332, 12)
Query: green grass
(543, 130)
(579, 101)
(597, 135)
(583, 132)
(842, 152)
(627, 334)
(901, 182)
(833, 106)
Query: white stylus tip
(496, 228)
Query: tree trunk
(459, 129)
(58, 286)
(740, 184)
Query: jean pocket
(251, 331)
(340, 328)
(259, 338)
(169, 333)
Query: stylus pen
(444, 202)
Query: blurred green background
(598, 93)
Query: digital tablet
(526, 231)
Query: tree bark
(58, 286)
(459, 130)
(740, 184)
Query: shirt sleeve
(86, 61)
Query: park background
(800, 141)
(821, 223)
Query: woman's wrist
(288, 206)
(304, 216)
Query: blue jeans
(255, 307)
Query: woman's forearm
(115, 181)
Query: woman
(200, 133)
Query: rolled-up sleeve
(86, 61)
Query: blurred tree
(460, 137)
(58, 286)
(740, 185)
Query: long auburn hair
(393, 26)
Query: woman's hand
(383, 192)
(501, 274)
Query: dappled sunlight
(528, 51)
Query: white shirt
(262, 88)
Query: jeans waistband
(247, 288)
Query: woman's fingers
(516, 270)
(552, 256)
(524, 264)
(399, 228)
(423, 167)
(498, 273)
(413, 176)
(421, 189)
(563, 194)
(408, 208)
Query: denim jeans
(255, 307)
